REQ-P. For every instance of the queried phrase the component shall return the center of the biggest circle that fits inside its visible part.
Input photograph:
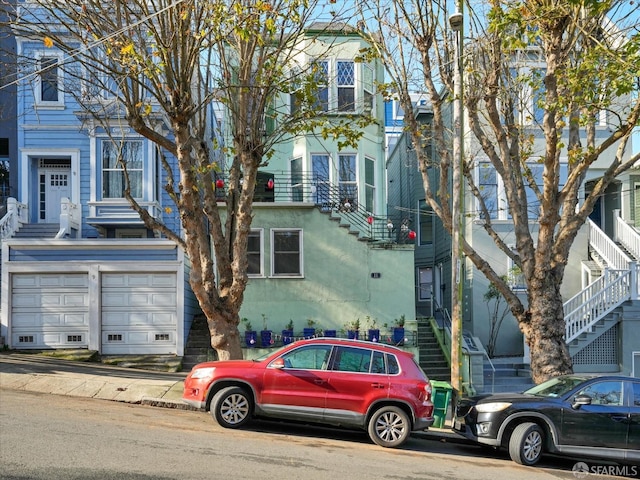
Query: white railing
(626, 234)
(16, 215)
(601, 297)
(69, 218)
(607, 248)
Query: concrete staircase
(198, 348)
(37, 230)
(510, 375)
(432, 360)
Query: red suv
(350, 383)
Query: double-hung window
(255, 248)
(48, 90)
(286, 253)
(115, 157)
(347, 178)
(321, 73)
(346, 83)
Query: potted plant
(398, 330)
(249, 333)
(310, 330)
(373, 333)
(353, 329)
(265, 333)
(287, 333)
(330, 333)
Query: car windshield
(556, 387)
(268, 354)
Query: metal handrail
(342, 201)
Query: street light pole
(457, 204)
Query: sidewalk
(38, 373)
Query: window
(426, 223)
(636, 394)
(346, 86)
(311, 357)
(515, 276)
(369, 184)
(286, 256)
(320, 178)
(254, 253)
(488, 185)
(114, 157)
(352, 359)
(297, 189)
(49, 80)
(425, 284)
(604, 393)
(321, 73)
(368, 88)
(347, 178)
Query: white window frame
(273, 232)
(58, 104)
(517, 283)
(337, 87)
(260, 274)
(102, 169)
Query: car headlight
(492, 407)
(203, 372)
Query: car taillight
(427, 391)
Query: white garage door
(139, 313)
(49, 311)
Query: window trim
(143, 171)
(272, 233)
(260, 274)
(38, 102)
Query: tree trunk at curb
(544, 328)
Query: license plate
(457, 425)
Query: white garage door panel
(124, 319)
(139, 313)
(49, 310)
(58, 319)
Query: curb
(159, 402)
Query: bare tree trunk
(225, 338)
(544, 328)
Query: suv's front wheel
(231, 407)
(389, 427)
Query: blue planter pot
(250, 338)
(398, 335)
(353, 334)
(265, 338)
(308, 332)
(374, 335)
(330, 333)
(287, 337)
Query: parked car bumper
(469, 432)
(423, 423)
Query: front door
(54, 185)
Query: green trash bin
(441, 397)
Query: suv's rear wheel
(389, 427)
(525, 444)
(231, 407)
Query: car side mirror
(579, 400)
(277, 363)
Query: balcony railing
(343, 201)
